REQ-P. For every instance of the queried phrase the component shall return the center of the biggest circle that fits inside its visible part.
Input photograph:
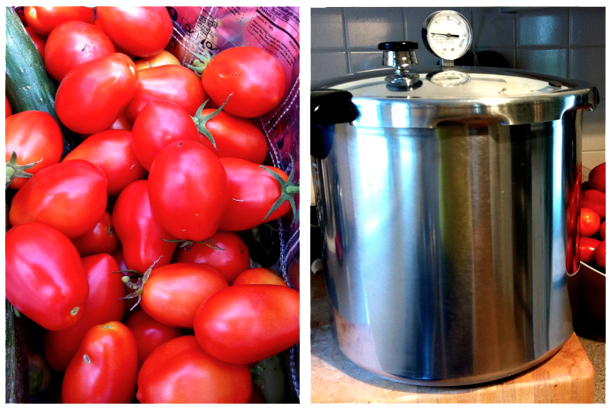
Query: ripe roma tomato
(253, 191)
(74, 43)
(162, 58)
(103, 305)
(596, 201)
(101, 239)
(113, 152)
(44, 19)
(600, 254)
(597, 178)
(587, 246)
(245, 324)
(188, 190)
(173, 293)
(39, 41)
(105, 367)
(169, 82)
(140, 232)
(180, 371)
(93, 94)
(141, 31)
(149, 333)
(259, 276)
(589, 222)
(230, 260)
(159, 124)
(70, 197)
(603, 230)
(45, 278)
(33, 136)
(254, 77)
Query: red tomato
(188, 190)
(121, 123)
(603, 230)
(39, 41)
(113, 152)
(45, 279)
(253, 192)
(254, 77)
(34, 136)
(589, 222)
(93, 94)
(139, 230)
(70, 197)
(259, 276)
(180, 371)
(101, 239)
(141, 31)
(597, 178)
(105, 367)
(162, 58)
(173, 293)
(74, 43)
(7, 108)
(596, 201)
(103, 305)
(586, 248)
(159, 124)
(245, 324)
(149, 333)
(169, 82)
(230, 260)
(600, 254)
(44, 19)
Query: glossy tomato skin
(113, 152)
(34, 136)
(247, 323)
(149, 333)
(139, 230)
(253, 192)
(105, 367)
(93, 94)
(74, 43)
(233, 259)
(589, 222)
(164, 57)
(45, 278)
(254, 77)
(587, 246)
(174, 292)
(603, 230)
(104, 304)
(101, 239)
(259, 276)
(188, 190)
(39, 41)
(159, 124)
(69, 196)
(600, 254)
(170, 82)
(141, 31)
(180, 371)
(44, 19)
(598, 179)
(596, 201)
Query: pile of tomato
(592, 220)
(125, 250)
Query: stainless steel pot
(447, 207)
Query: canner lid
(457, 93)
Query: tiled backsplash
(562, 41)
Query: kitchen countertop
(596, 353)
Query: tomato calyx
(201, 120)
(14, 170)
(288, 189)
(201, 63)
(137, 287)
(187, 244)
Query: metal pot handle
(328, 107)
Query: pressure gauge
(448, 78)
(447, 34)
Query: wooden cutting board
(568, 377)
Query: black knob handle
(398, 45)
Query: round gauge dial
(447, 34)
(449, 78)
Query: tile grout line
(347, 42)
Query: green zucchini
(17, 376)
(28, 85)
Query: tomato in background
(597, 178)
(180, 371)
(603, 230)
(44, 19)
(113, 152)
(587, 246)
(600, 254)
(7, 108)
(141, 31)
(230, 260)
(589, 222)
(74, 43)
(259, 276)
(104, 304)
(41, 261)
(39, 41)
(34, 136)
(93, 94)
(101, 239)
(164, 57)
(149, 333)
(105, 367)
(69, 196)
(596, 201)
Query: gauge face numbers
(448, 34)
(449, 78)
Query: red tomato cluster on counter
(143, 213)
(592, 220)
